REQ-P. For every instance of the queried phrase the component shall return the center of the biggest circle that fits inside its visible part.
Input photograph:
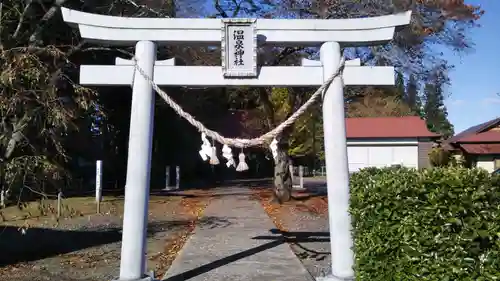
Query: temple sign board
(238, 39)
(239, 48)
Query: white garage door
(382, 156)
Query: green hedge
(437, 224)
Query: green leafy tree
(302, 139)
(435, 111)
(412, 97)
(400, 86)
(300, 134)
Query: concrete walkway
(233, 242)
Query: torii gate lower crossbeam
(328, 33)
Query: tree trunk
(282, 175)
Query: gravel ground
(87, 247)
(304, 223)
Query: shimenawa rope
(237, 142)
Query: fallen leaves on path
(89, 260)
(302, 202)
(272, 209)
(193, 207)
(316, 205)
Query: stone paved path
(304, 222)
(242, 248)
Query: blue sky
(475, 81)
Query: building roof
(388, 127)
(481, 148)
(479, 134)
(363, 127)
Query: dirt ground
(304, 224)
(83, 245)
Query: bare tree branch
(144, 7)
(35, 36)
(21, 19)
(219, 9)
(1, 25)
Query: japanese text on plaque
(239, 48)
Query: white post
(290, 168)
(98, 184)
(59, 204)
(167, 178)
(177, 177)
(2, 198)
(133, 254)
(337, 173)
(301, 177)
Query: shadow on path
(276, 240)
(298, 239)
(40, 243)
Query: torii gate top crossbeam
(298, 32)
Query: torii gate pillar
(337, 171)
(140, 146)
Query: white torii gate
(146, 33)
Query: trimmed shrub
(438, 224)
(439, 157)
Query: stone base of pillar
(147, 277)
(334, 278)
